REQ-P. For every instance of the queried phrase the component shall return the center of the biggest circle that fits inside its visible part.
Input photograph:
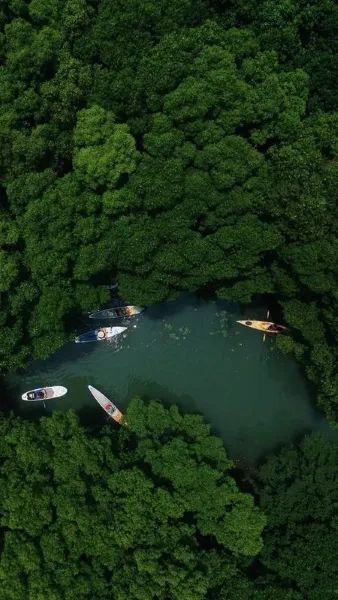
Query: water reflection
(192, 353)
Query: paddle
(267, 316)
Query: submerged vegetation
(173, 146)
(153, 510)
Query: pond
(193, 353)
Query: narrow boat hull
(55, 391)
(118, 312)
(99, 335)
(108, 406)
(263, 326)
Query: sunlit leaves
(105, 151)
(170, 146)
(298, 490)
(9, 270)
(136, 503)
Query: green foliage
(150, 511)
(171, 146)
(305, 35)
(313, 349)
(105, 151)
(299, 493)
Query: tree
(304, 35)
(148, 511)
(298, 492)
(194, 148)
(105, 151)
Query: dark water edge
(6, 396)
(188, 352)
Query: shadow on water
(171, 308)
(246, 471)
(295, 439)
(72, 352)
(151, 390)
(92, 416)
(189, 301)
(6, 396)
(189, 352)
(227, 305)
(259, 306)
(296, 371)
(32, 410)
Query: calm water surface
(192, 353)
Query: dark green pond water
(192, 353)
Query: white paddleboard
(47, 393)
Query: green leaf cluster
(170, 146)
(298, 492)
(150, 511)
(153, 511)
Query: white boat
(46, 393)
(99, 335)
(117, 312)
(107, 405)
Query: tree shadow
(92, 416)
(151, 390)
(6, 399)
(189, 300)
(172, 307)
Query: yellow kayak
(265, 326)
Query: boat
(265, 326)
(99, 335)
(107, 405)
(46, 393)
(117, 312)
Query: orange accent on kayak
(107, 405)
(118, 416)
(266, 326)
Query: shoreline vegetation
(158, 510)
(197, 152)
(172, 146)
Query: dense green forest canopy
(298, 492)
(152, 510)
(171, 146)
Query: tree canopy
(299, 493)
(192, 148)
(155, 509)
(149, 511)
